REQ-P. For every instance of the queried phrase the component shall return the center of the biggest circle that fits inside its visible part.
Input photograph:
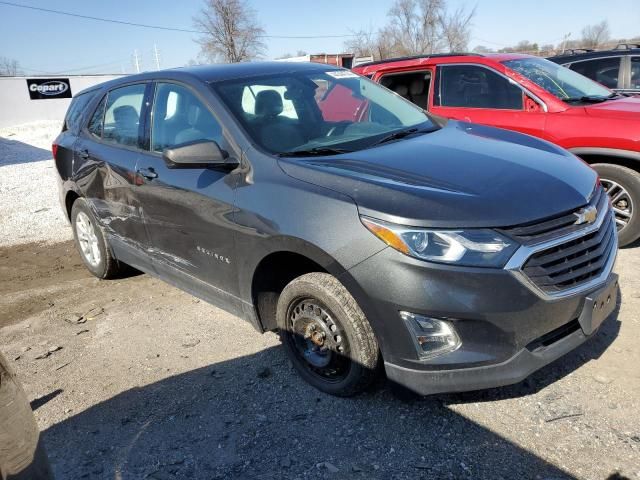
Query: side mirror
(198, 154)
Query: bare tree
(594, 36)
(9, 67)
(233, 33)
(481, 49)
(456, 29)
(415, 26)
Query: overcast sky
(45, 42)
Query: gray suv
(309, 200)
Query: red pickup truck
(533, 96)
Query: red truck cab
(536, 97)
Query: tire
(91, 242)
(318, 305)
(614, 178)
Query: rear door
(479, 94)
(188, 211)
(66, 141)
(105, 167)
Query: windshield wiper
(316, 151)
(587, 99)
(396, 135)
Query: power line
(156, 27)
(59, 72)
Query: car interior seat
(419, 93)
(276, 132)
(126, 125)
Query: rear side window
(76, 109)
(635, 73)
(180, 117)
(471, 86)
(122, 115)
(605, 71)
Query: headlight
(474, 248)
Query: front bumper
(507, 330)
(531, 358)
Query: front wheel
(326, 335)
(623, 186)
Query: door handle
(148, 173)
(84, 154)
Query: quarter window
(122, 116)
(96, 122)
(603, 70)
(180, 117)
(76, 109)
(477, 87)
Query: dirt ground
(133, 379)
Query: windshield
(565, 84)
(320, 113)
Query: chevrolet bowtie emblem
(586, 215)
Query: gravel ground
(29, 209)
(134, 379)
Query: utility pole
(156, 55)
(136, 61)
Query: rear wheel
(91, 242)
(623, 186)
(326, 335)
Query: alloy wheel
(88, 240)
(621, 202)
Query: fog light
(432, 337)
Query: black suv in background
(617, 69)
(365, 231)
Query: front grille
(575, 262)
(541, 231)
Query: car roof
(372, 67)
(218, 72)
(630, 49)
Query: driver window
(180, 117)
(471, 86)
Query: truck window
(472, 86)
(413, 86)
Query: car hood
(463, 175)
(622, 108)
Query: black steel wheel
(326, 335)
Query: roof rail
(420, 57)
(575, 51)
(627, 46)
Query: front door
(188, 211)
(479, 94)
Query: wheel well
(273, 273)
(68, 202)
(622, 161)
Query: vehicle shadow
(253, 417)
(14, 152)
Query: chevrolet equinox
(455, 256)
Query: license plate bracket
(599, 305)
